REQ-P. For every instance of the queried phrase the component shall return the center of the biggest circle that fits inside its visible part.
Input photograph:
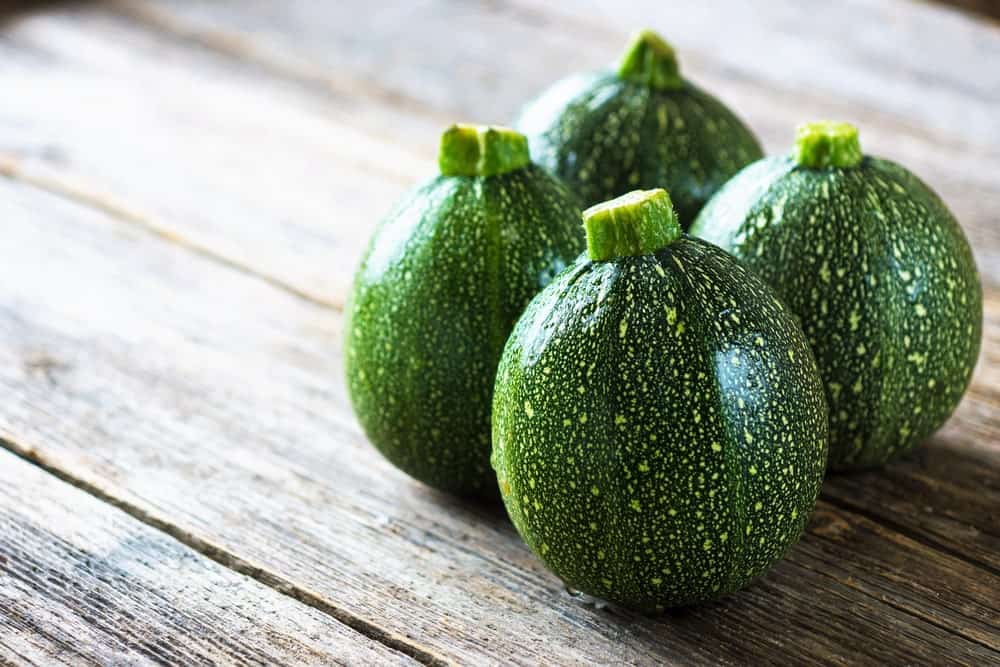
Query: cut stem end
(638, 223)
(651, 61)
(825, 144)
(473, 150)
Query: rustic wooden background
(186, 188)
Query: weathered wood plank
(917, 79)
(215, 155)
(877, 56)
(328, 128)
(83, 583)
(214, 402)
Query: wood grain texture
(212, 401)
(193, 374)
(217, 155)
(917, 79)
(83, 583)
(343, 109)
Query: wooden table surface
(186, 189)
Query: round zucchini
(880, 274)
(660, 431)
(443, 281)
(641, 126)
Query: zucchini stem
(638, 223)
(651, 61)
(474, 150)
(824, 144)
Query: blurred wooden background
(986, 8)
(185, 189)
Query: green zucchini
(880, 274)
(443, 281)
(660, 430)
(641, 126)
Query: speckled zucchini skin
(883, 280)
(443, 281)
(604, 137)
(660, 431)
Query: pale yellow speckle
(824, 272)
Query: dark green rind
(613, 388)
(442, 284)
(884, 282)
(604, 137)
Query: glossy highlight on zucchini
(444, 279)
(640, 126)
(881, 275)
(660, 431)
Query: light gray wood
(212, 402)
(215, 155)
(84, 583)
(917, 79)
(278, 134)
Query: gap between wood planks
(233, 562)
(10, 169)
(914, 535)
